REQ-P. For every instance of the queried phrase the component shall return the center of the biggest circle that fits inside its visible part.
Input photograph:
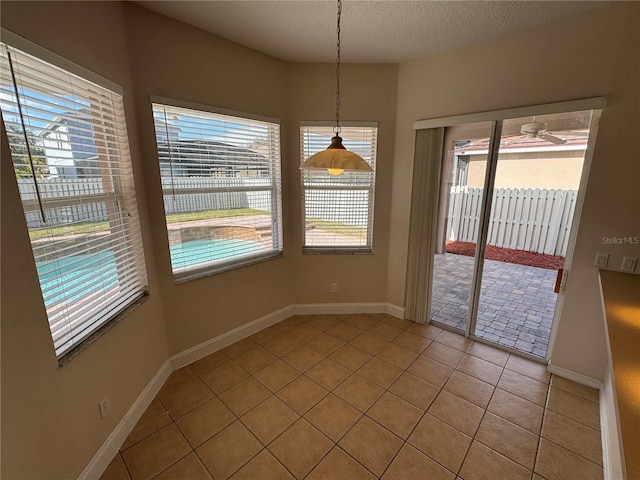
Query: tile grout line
(403, 370)
(495, 387)
(364, 414)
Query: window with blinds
(71, 158)
(221, 183)
(338, 209)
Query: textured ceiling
(376, 31)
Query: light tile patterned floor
(516, 307)
(364, 397)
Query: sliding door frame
(419, 285)
(485, 213)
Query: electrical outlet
(334, 288)
(628, 264)
(104, 407)
(601, 260)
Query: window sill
(337, 251)
(71, 354)
(180, 278)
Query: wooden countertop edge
(621, 305)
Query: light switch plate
(601, 260)
(628, 264)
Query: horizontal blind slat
(338, 210)
(88, 248)
(212, 163)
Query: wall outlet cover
(602, 259)
(628, 264)
(104, 407)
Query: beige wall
(591, 54)
(51, 427)
(171, 59)
(50, 411)
(369, 94)
(50, 423)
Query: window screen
(338, 210)
(222, 191)
(70, 154)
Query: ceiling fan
(536, 130)
(539, 130)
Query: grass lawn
(338, 227)
(90, 227)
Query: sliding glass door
(459, 204)
(507, 197)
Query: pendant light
(337, 159)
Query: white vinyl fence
(350, 207)
(534, 220)
(50, 188)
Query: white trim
(395, 310)
(211, 109)
(195, 274)
(574, 376)
(112, 444)
(48, 56)
(217, 343)
(504, 151)
(331, 123)
(338, 308)
(575, 225)
(190, 355)
(612, 451)
(594, 103)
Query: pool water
(71, 278)
(206, 251)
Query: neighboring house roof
(209, 154)
(164, 130)
(574, 141)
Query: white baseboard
(612, 449)
(103, 457)
(346, 308)
(181, 359)
(574, 376)
(395, 310)
(338, 308)
(108, 450)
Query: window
(220, 176)
(338, 210)
(79, 201)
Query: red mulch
(509, 255)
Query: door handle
(561, 280)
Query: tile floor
(363, 397)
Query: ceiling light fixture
(336, 158)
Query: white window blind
(221, 183)
(71, 158)
(338, 210)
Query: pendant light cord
(337, 128)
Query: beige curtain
(423, 223)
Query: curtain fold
(422, 223)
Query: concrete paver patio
(516, 306)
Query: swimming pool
(71, 278)
(197, 252)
